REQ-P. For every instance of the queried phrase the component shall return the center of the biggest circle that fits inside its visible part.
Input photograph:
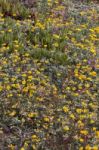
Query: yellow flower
(81, 140)
(78, 29)
(85, 110)
(97, 134)
(12, 147)
(94, 128)
(85, 60)
(80, 87)
(78, 110)
(24, 75)
(49, 2)
(14, 15)
(66, 128)
(84, 104)
(25, 89)
(17, 85)
(76, 75)
(88, 147)
(34, 136)
(22, 148)
(25, 144)
(1, 15)
(74, 88)
(10, 30)
(87, 85)
(65, 109)
(82, 77)
(23, 82)
(13, 79)
(72, 116)
(55, 44)
(95, 147)
(15, 105)
(93, 73)
(89, 79)
(45, 45)
(10, 95)
(92, 121)
(8, 87)
(96, 29)
(46, 119)
(14, 85)
(68, 88)
(93, 51)
(84, 132)
(1, 88)
(82, 13)
(13, 113)
(29, 72)
(40, 25)
(32, 114)
(80, 123)
(30, 77)
(2, 31)
(75, 94)
(26, 54)
(81, 148)
(16, 46)
(91, 30)
(56, 36)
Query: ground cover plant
(49, 75)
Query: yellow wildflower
(78, 111)
(66, 128)
(84, 132)
(81, 148)
(46, 119)
(97, 134)
(72, 116)
(95, 147)
(81, 140)
(88, 147)
(32, 114)
(13, 113)
(22, 148)
(93, 73)
(65, 109)
(1, 88)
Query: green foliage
(14, 9)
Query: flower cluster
(48, 79)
